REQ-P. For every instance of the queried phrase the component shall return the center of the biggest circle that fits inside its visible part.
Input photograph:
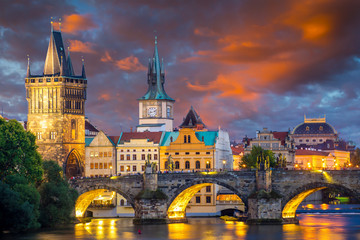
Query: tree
(18, 155)
(355, 157)
(20, 171)
(250, 160)
(57, 198)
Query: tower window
(52, 135)
(73, 129)
(48, 80)
(184, 138)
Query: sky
(243, 65)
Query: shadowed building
(156, 107)
(56, 108)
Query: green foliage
(147, 194)
(18, 155)
(355, 157)
(57, 198)
(250, 160)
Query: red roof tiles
(151, 136)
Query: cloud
(82, 47)
(75, 23)
(130, 64)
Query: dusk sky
(243, 65)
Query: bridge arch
(180, 198)
(291, 202)
(87, 195)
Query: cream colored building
(318, 160)
(100, 155)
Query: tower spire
(28, 74)
(83, 75)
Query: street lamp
(111, 170)
(224, 162)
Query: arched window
(184, 138)
(208, 164)
(307, 128)
(197, 165)
(73, 129)
(177, 165)
(122, 202)
(189, 139)
(187, 165)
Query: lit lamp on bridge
(110, 170)
(309, 165)
(323, 164)
(224, 164)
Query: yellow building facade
(317, 160)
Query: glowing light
(296, 165)
(324, 206)
(290, 208)
(178, 206)
(84, 201)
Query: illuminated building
(155, 107)
(135, 148)
(100, 155)
(279, 143)
(194, 148)
(238, 153)
(318, 160)
(56, 108)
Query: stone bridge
(269, 196)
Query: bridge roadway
(285, 188)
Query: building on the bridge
(279, 143)
(56, 108)
(194, 148)
(317, 160)
(238, 153)
(135, 148)
(100, 155)
(156, 108)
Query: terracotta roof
(310, 152)
(237, 150)
(281, 136)
(114, 139)
(151, 136)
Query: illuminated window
(208, 164)
(96, 165)
(208, 199)
(100, 166)
(38, 135)
(101, 154)
(96, 154)
(177, 165)
(91, 165)
(134, 156)
(208, 188)
(110, 165)
(109, 154)
(121, 168)
(128, 168)
(105, 154)
(91, 154)
(142, 156)
(197, 199)
(52, 135)
(105, 165)
(307, 128)
(187, 165)
(197, 165)
(122, 157)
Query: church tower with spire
(156, 107)
(56, 108)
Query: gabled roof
(150, 136)
(237, 150)
(114, 139)
(192, 120)
(156, 79)
(90, 127)
(88, 140)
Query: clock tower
(155, 107)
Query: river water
(312, 226)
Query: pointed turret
(83, 75)
(156, 78)
(193, 120)
(69, 65)
(54, 53)
(28, 73)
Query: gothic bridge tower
(56, 108)
(156, 107)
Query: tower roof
(156, 79)
(192, 120)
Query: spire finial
(52, 22)
(155, 39)
(28, 74)
(83, 74)
(59, 24)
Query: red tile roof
(115, 139)
(281, 136)
(151, 136)
(310, 152)
(237, 150)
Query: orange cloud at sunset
(130, 64)
(104, 96)
(106, 58)
(76, 22)
(79, 46)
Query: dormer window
(307, 128)
(321, 128)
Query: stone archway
(72, 167)
(291, 202)
(85, 199)
(177, 204)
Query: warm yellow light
(244, 166)
(349, 164)
(296, 165)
